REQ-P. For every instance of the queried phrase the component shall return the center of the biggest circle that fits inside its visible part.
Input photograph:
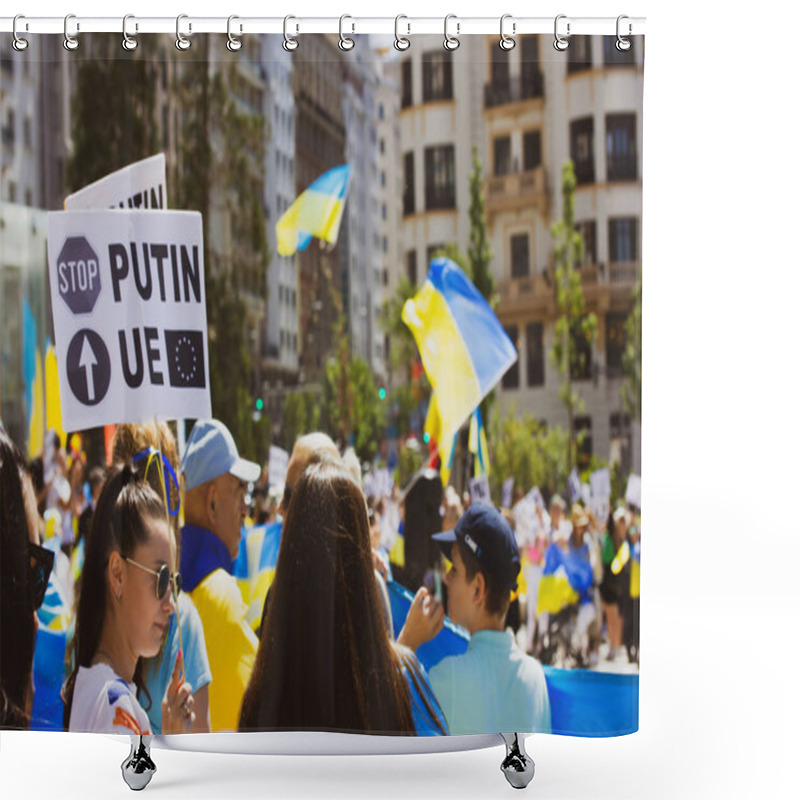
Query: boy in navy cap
(494, 687)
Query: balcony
(624, 272)
(516, 190)
(514, 89)
(525, 294)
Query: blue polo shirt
(492, 688)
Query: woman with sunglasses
(125, 603)
(153, 451)
(24, 572)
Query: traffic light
(259, 404)
(382, 393)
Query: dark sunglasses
(41, 565)
(163, 579)
(156, 457)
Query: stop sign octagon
(78, 275)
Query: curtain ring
(559, 42)
(290, 43)
(401, 43)
(623, 44)
(233, 44)
(181, 42)
(70, 42)
(506, 42)
(19, 44)
(345, 43)
(451, 42)
(128, 42)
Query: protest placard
(129, 315)
(633, 492)
(139, 185)
(278, 464)
(508, 489)
(479, 489)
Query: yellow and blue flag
(254, 567)
(446, 446)
(317, 212)
(53, 392)
(566, 579)
(34, 381)
(463, 346)
(477, 443)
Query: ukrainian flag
(477, 443)
(446, 445)
(565, 579)
(254, 567)
(464, 349)
(317, 212)
(34, 381)
(53, 393)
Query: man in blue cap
(215, 482)
(494, 687)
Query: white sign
(574, 484)
(479, 490)
(508, 489)
(129, 313)
(633, 493)
(383, 483)
(278, 464)
(535, 496)
(141, 185)
(601, 483)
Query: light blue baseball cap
(211, 452)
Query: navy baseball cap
(483, 531)
(211, 452)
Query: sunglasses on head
(41, 565)
(162, 464)
(163, 579)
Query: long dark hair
(117, 525)
(324, 661)
(17, 626)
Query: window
(408, 184)
(588, 232)
(28, 197)
(621, 147)
(615, 343)
(583, 434)
(437, 76)
(581, 149)
(383, 210)
(511, 377)
(520, 256)
(502, 155)
(617, 58)
(500, 68)
(622, 240)
(534, 341)
(380, 111)
(620, 425)
(382, 146)
(579, 54)
(406, 89)
(12, 192)
(532, 83)
(580, 367)
(531, 150)
(411, 266)
(440, 177)
(165, 126)
(383, 178)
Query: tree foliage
(575, 330)
(632, 358)
(479, 254)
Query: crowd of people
(162, 640)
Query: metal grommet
(290, 43)
(401, 43)
(559, 42)
(623, 44)
(19, 44)
(506, 42)
(451, 42)
(233, 44)
(70, 42)
(344, 42)
(181, 41)
(128, 42)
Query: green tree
(111, 128)
(301, 414)
(221, 173)
(575, 329)
(632, 358)
(479, 254)
(528, 451)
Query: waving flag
(463, 346)
(34, 381)
(317, 212)
(254, 567)
(446, 445)
(565, 580)
(477, 443)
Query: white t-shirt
(102, 702)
